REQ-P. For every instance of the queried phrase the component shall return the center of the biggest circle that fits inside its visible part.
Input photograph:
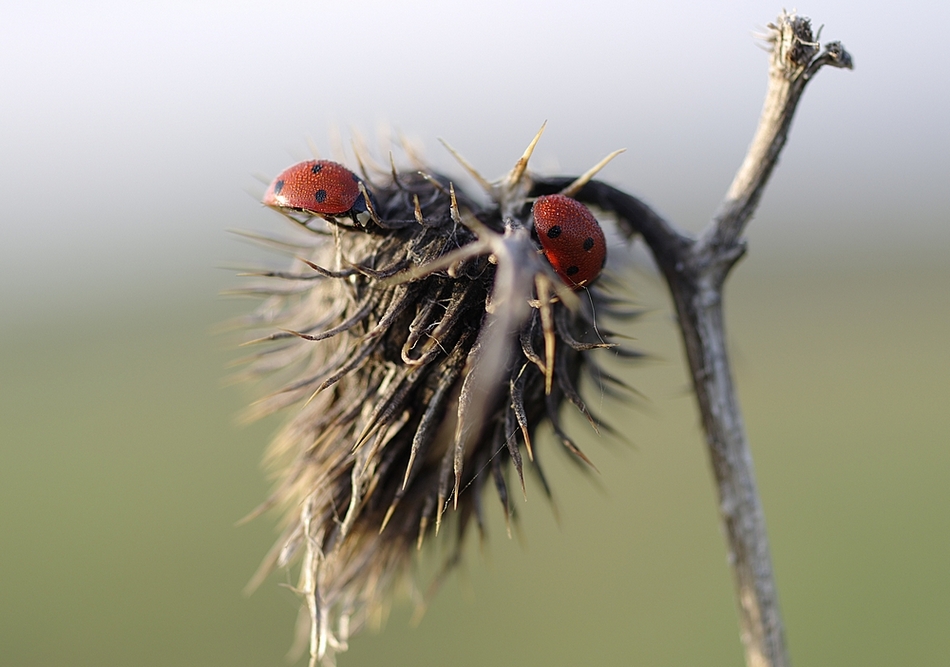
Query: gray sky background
(130, 133)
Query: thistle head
(418, 343)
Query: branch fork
(695, 270)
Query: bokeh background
(130, 135)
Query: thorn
(522, 421)
(482, 181)
(369, 203)
(395, 175)
(358, 154)
(417, 209)
(454, 207)
(312, 396)
(360, 148)
(423, 524)
(288, 331)
(257, 341)
(438, 186)
(410, 150)
(316, 267)
(389, 515)
(364, 436)
(547, 325)
(481, 230)
(575, 187)
(405, 479)
(337, 149)
(263, 179)
(313, 148)
(522, 164)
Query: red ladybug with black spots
(572, 240)
(320, 187)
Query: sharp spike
(482, 181)
(369, 203)
(473, 223)
(360, 148)
(358, 154)
(423, 524)
(411, 151)
(575, 187)
(441, 498)
(517, 404)
(434, 182)
(542, 284)
(384, 134)
(502, 487)
(264, 179)
(313, 148)
(454, 207)
(389, 515)
(337, 147)
(313, 396)
(522, 164)
(512, 444)
(417, 209)
(395, 174)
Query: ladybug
(571, 238)
(321, 187)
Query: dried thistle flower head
(423, 338)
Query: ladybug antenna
(517, 172)
(576, 186)
(482, 181)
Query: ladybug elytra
(318, 186)
(572, 240)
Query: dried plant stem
(358, 445)
(695, 270)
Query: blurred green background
(122, 474)
(126, 142)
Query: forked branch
(695, 270)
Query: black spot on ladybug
(278, 186)
(355, 177)
(315, 169)
(572, 270)
(320, 196)
(554, 232)
(588, 244)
